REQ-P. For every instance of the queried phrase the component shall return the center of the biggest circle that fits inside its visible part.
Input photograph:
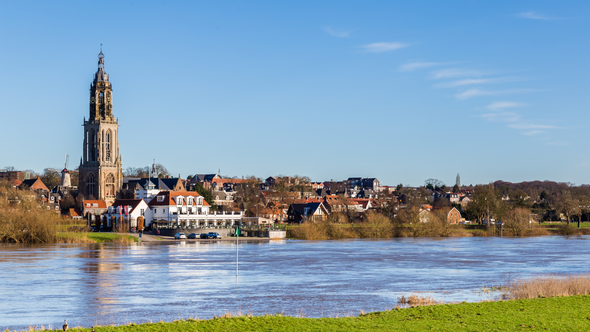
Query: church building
(101, 175)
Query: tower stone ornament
(100, 166)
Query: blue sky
(401, 91)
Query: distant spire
(101, 75)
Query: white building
(187, 209)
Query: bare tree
(517, 221)
(567, 205)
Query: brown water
(115, 283)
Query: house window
(142, 212)
(179, 200)
(160, 199)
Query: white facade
(141, 210)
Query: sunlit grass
(553, 314)
(95, 237)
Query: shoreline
(151, 239)
(552, 313)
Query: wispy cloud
(470, 93)
(468, 81)
(455, 72)
(535, 16)
(533, 132)
(501, 117)
(411, 66)
(382, 47)
(531, 126)
(337, 32)
(476, 81)
(503, 104)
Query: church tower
(100, 166)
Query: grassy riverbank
(552, 314)
(94, 237)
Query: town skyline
(246, 88)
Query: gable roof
(35, 184)
(131, 202)
(299, 208)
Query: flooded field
(117, 283)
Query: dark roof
(161, 184)
(322, 192)
(204, 177)
(299, 208)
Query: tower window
(92, 143)
(108, 146)
(91, 185)
(110, 186)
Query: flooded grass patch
(550, 285)
(558, 313)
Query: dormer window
(200, 201)
(189, 201)
(160, 199)
(178, 200)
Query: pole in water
(237, 235)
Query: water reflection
(116, 283)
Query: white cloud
(501, 117)
(477, 92)
(468, 81)
(503, 104)
(534, 16)
(382, 47)
(337, 33)
(473, 93)
(476, 81)
(455, 72)
(533, 132)
(531, 126)
(411, 66)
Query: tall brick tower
(100, 166)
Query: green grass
(97, 237)
(572, 224)
(547, 314)
(110, 237)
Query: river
(101, 284)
